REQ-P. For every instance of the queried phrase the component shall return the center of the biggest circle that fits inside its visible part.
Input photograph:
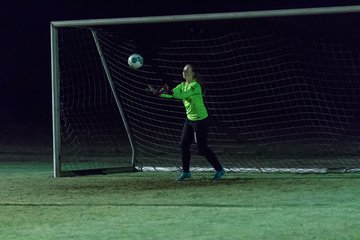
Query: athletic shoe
(219, 174)
(183, 176)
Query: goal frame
(55, 68)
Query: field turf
(151, 205)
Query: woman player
(196, 125)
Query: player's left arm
(177, 92)
(166, 92)
(195, 89)
(159, 90)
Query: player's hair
(197, 77)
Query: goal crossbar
(208, 16)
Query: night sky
(25, 79)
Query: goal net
(282, 91)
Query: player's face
(187, 73)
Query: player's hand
(165, 89)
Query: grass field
(149, 205)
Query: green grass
(148, 205)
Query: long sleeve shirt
(192, 98)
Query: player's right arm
(164, 90)
(178, 92)
(167, 93)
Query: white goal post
(281, 91)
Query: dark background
(25, 79)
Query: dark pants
(199, 131)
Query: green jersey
(192, 98)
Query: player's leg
(187, 138)
(202, 128)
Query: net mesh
(282, 93)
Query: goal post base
(99, 171)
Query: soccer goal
(282, 90)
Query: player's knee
(184, 147)
(203, 149)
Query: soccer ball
(135, 61)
